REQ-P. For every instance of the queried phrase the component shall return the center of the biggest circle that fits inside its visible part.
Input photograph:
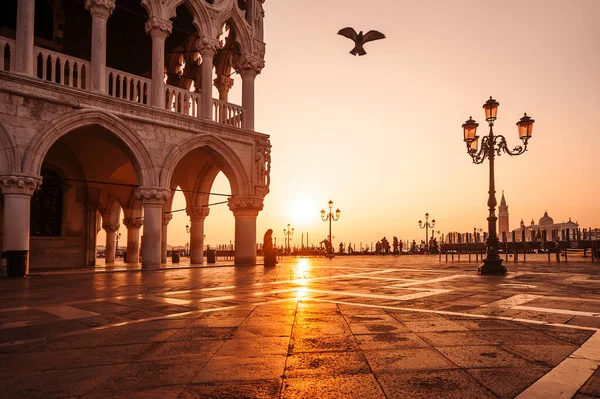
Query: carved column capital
(110, 227)
(159, 27)
(223, 83)
(166, 218)
(245, 206)
(152, 195)
(197, 212)
(207, 46)
(20, 184)
(249, 65)
(100, 8)
(133, 223)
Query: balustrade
(182, 101)
(62, 69)
(7, 54)
(227, 113)
(127, 87)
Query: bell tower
(503, 217)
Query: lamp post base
(492, 267)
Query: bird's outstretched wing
(350, 33)
(373, 35)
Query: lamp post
(325, 216)
(492, 146)
(117, 236)
(287, 233)
(426, 226)
(187, 230)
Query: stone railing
(127, 87)
(227, 113)
(7, 54)
(62, 69)
(182, 101)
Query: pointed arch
(243, 36)
(10, 157)
(51, 132)
(232, 165)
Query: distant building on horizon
(503, 225)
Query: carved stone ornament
(20, 184)
(149, 195)
(249, 64)
(261, 191)
(259, 49)
(166, 218)
(197, 212)
(208, 46)
(263, 161)
(245, 205)
(159, 26)
(133, 223)
(101, 8)
(110, 227)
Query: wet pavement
(351, 327)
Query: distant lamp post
(427, 226)
(328, 216)
(287, 233)
(492, 146)
(117, 236)
(187, 230)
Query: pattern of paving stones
(351, 327)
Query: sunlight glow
(303, 210)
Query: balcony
(75, 73)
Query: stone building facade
(108, 105)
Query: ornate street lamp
(492, 146)
(426, 226)
(325, 216)
(287, 233)
(117, 236)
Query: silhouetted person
(360, 39)
(269, 252)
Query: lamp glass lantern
(337, 213)
(473, 146)
(525, 125)
(491, 109)
(470, 130)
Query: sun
(303, 211)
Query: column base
(245, 261)
(492, 267)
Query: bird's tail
(358, 50)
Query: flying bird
(360, 39)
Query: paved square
(364, 327)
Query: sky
(381, 135)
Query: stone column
(110, 229)
(223, 84)
(25, 36)
(245, 210)
(197, 215)
(100, 10)
(248, 67)
(133, 239)
(152, 199)
(166, 218)
(207, 47)
(17, 190)
(158, 29)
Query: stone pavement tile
(259, 389)
(570, 304)
(483, 356)
(203, 333)
(592, 386)
(585, 321)
(40, 330)
(391, 340)
(310, 318)
(104, 355)
(218, 322)
(38, 361)
(377, 328)
(542, 316)
(103, 320)
(241, 369)
(593, 307)
(434, 384)
(507, 382)
(434, 326)
(268, 330)
(254, 347)
(584, 396)
(164, 324)
(156, 373)
(392, 360)
(550, 355)
(198, 350)
(367, 318)
(348, 310)
(322, 329)
(255, 320)
(309, 307)
(165, 392)
(525, 337)
(86, 339)
(322, 343)
(362, 386)
(128, 336)
(454, 338)
(487, 324)
(402, 315)
(72, 382)
(325, 364)
(568, 335)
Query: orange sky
(381, 135)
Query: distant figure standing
(269, 251)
